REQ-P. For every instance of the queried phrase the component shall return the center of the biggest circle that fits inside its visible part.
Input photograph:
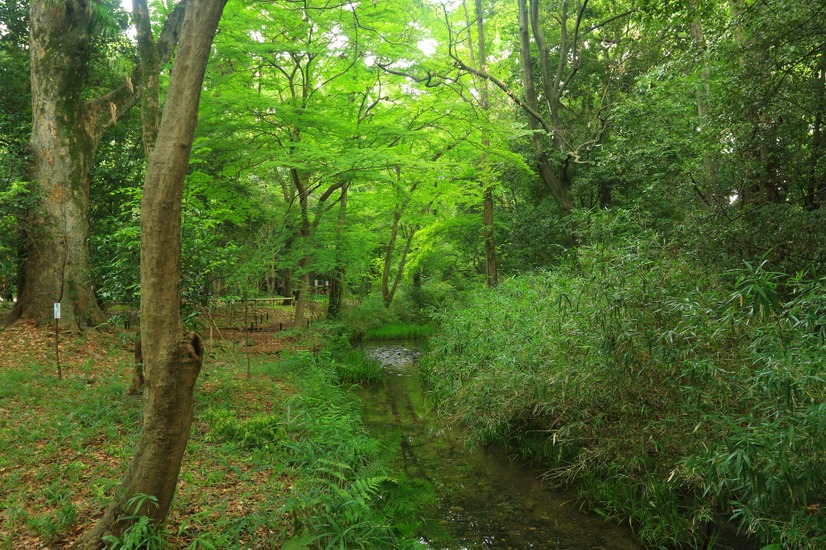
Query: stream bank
(484, 498)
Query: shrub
(673, 399)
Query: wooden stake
(57, 346)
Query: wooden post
(57, 338)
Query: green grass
(399, 331)
(54, 445)
(354, 367)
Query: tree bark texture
(172, 356)
(57, 260)
(66, 131)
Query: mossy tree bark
(66, 131)
(172, 356)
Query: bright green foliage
(635, 372)
(341, 496)
(354, 367)
(344, 500)
(15, 127)
(142, 534)
(399, 332)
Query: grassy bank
(279, 457)
(683, 403)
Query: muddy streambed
(484, 498)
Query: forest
(602, 222)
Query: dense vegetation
(676, 397)
(608, 216)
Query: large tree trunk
(57, 261)
(172, 356)
(66, 130)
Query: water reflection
(485, 499)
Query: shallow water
(485, 499)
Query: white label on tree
(57, 310)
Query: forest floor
(67, 442)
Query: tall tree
(566, 121)
(491, 271)
(172, 356)
(66, 130)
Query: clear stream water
(484, 498)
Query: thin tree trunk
(304, 238)
(491, 272)
(703, 94)
(400, 270)
(172, 356)
(336, 297)
(816, 188)
(386, 295)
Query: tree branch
(101, 113)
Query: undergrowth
(399, 331)
(340, 495)
(276, 458)
(680, 401)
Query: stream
(484, 498)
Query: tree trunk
(336, 297)
(491, 271)
(287, 283)
(554, 178)
(57, 260)
(136, 386)
(66, 130)
(172, 356)
(816, 187)
(386, 296)
(306, 236)
(303, 291)
(703, 94)
(304, 242)
(402, 261)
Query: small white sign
(57, 310)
